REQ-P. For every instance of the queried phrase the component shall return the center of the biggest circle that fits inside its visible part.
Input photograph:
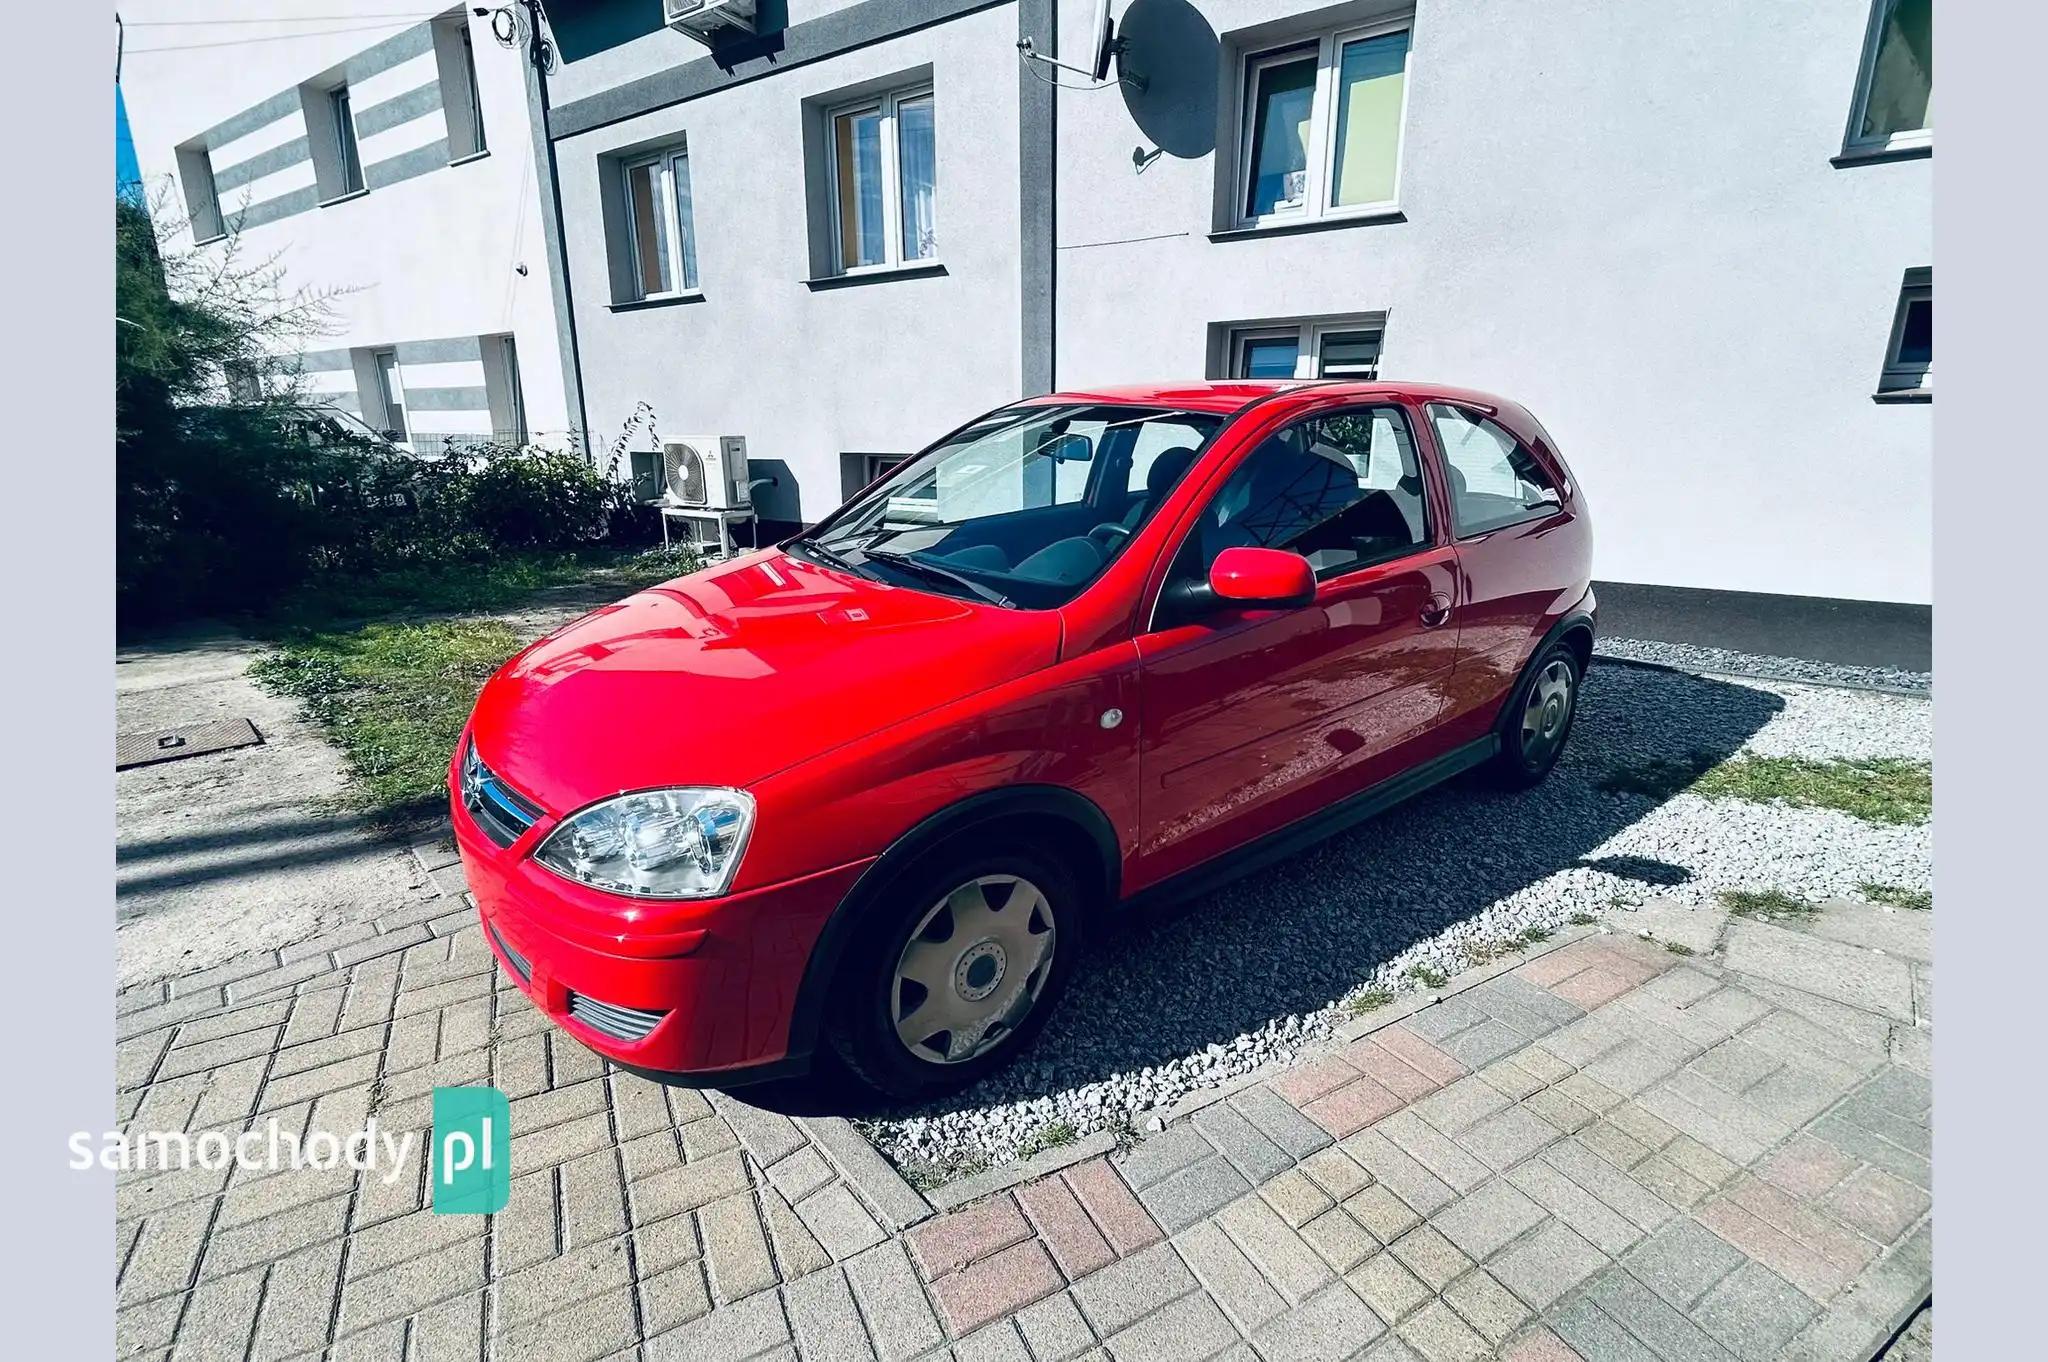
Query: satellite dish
(1104, 29)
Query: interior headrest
(1166, 470)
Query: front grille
(622, 1023)
(521, 966)
(502, 812)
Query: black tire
(1531, 737)
(863, 1025)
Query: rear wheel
(1538, 719)
(960, 971)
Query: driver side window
(1344, 491)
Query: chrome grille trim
(502, 812)
(520, 964)
(621, 1023)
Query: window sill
(1870, 156)
(344, 198)
(1902, 395)
(665, 300)
(875, 276)
(209, 240)
(473, 156)
(1324, 224)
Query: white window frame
(1308, 336)
(665, 161)
(1899, 378)
(886, 105)
(1322, 143)
(1855, 145)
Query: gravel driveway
(1260, 970)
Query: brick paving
(1609, 1151)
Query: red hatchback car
(877, 786)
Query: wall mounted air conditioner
(710, 20)
(708, 471)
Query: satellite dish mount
(1108, 48)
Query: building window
(1342, 347)
(202, 198)
(461, 106)
(660, 238)
(1320, 128)
(1909, 354)
(1894, 107)
(348, 157)
(390, 393)
(884, 187)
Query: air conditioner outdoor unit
(708, 471)
(708, 20)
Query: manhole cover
(195, 740)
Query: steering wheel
(1110, 534)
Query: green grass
(1052, 1137)
(1766, 905)
(1582, 919)
(1679, 948)
(393, 697)
(1371, 1000)
(1882, 790)
(1879, 790)
(461, 587)
(1898, 896)
(392, 693)
(1428, 976)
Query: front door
(1254, 719)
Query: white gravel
(1696, 659)
(1259, 971)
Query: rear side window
(1494, 479)
(1343, 491)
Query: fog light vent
(622, 1023)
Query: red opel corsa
(876, 787)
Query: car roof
(1233, 395)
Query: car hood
(736, 672)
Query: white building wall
(806, 375)
(1624, 216)
(1627, 217)
(431, 258)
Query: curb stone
(961, 1190)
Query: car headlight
(657, 844)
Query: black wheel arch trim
(814, 994)
(1578, 617)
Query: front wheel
(1538, 719)
(959, 973)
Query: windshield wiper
(904, 560)
(817, 550)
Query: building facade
(1694, 237)
(389, 162)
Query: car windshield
(1022, 508)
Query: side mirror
(1270, 578)
(1246, 578)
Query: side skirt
(1284, 842)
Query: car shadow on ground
(1302, 934)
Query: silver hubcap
(1548, 711)
(973, 969)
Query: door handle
(1436, 611)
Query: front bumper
(699, 991)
